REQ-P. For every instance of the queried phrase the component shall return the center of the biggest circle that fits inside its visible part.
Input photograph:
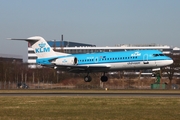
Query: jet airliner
(96, 62)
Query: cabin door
(145, 59)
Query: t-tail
(42, 48)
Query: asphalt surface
(67, 94)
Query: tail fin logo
(42, 48)
(41, 45)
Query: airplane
(96, 62)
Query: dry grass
(47, 108)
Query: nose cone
(163, 63)
(169, 62)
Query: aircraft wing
(84, 68)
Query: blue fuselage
(108, 61)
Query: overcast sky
(99, 22)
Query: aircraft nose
(164, 63)
(170, 62)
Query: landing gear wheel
(87, 79)
(104, 78)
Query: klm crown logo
(42, 48)
(136, 54)
(41, 45)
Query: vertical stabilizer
(41, 47)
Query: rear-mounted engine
(66, 61)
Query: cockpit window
(155, 55)
(161, 54)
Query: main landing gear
(88, 78)
(104, 78)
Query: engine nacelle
(66, 61)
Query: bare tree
(173, 68)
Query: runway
(68, 94)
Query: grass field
(89, 108)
